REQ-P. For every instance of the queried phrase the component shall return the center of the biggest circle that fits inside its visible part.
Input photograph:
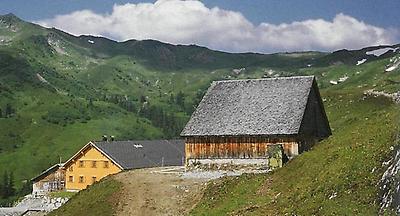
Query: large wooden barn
(240, 121)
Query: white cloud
(191, 22)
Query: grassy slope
(96, 200)
(338, 176)
(346, 167)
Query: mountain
(58, 91)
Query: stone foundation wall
(274, 159)
(226, 164)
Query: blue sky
(382, 15)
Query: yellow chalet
(98, 159)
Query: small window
(81, 163)
(81, 179)
(93, 179)
(70, 178)
(94, 165)
(106, 164)
(71, 168)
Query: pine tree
(4, 184)
(25, 189)
(9, 110)
(10, 185)
(90, 104)
(180, 99)
(142, 99)
(171, 98)
(1, 190)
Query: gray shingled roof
(145, 153)
(272, 106)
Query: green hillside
(339, 176)
(98, 199)
(58, 91)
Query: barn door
(275, 156)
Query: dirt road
(158, 191)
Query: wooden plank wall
(56, 180)
(235, 147)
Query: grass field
(98, 199)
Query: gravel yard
(165, 190)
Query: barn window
(81, 179)
(94, 165)
(81, 164)
(93, 179)
(71, 168)
(71, 179)
(106, 165)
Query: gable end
(315, 122)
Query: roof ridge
(47, 170)
(266, 79)
(144, 140)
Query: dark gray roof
(144, 153)
(272, 106)
(47, 172)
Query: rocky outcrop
(35, 204)
(390, 184)
(395, 97)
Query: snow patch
(392, 68)
(361, 61)
(395, 64)
(379, 52)
(333, 82)
(41, 79)
(238, 71)
(342, 79)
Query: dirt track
(158, 191)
